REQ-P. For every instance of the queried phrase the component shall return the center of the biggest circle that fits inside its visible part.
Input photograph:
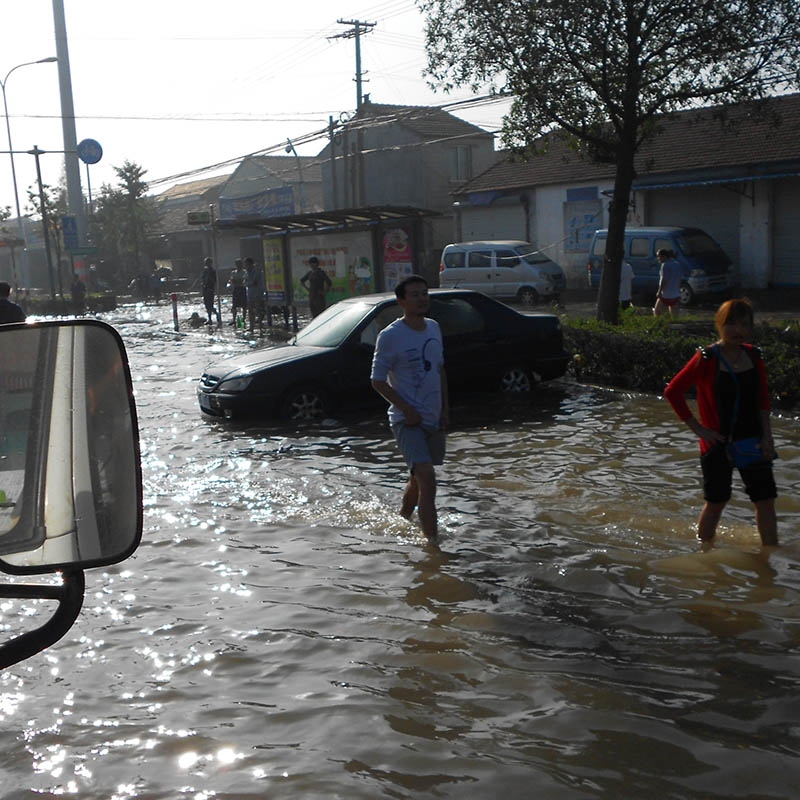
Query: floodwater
(282, 633)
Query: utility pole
(358, 27)
(72, 167)
(357, 177)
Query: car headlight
(235, 384)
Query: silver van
(505, 269)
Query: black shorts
(759, 482)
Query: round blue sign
(89, 151)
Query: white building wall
(755, 235)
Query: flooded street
(283, 633)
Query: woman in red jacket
(718, 372)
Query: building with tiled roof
(737, 175)
(412, 156)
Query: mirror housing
(70, 473)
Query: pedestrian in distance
(209, 287)
(255, 294)
(733, 404)
(238, 284)
(9, 311)
(408, 372)
(625, 286)
(317, 283)
(668, 297)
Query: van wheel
(516, 379)
(528, 296)
(687, 295)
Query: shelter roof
(337, 219)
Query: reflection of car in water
(487, 346)
(70, 479)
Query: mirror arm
(70, 600)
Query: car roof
(655, 229)
(492, 243)
(374, 299)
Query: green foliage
(642, 353)
(120, 226)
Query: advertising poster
(273, 267)
(346, 257)
(397, 260)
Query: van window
(640, 247)
(480, 259)
(599, 246)
(455, 258)
(506, 258)
(663, 244)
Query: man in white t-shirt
(408, 371)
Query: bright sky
(179, 85)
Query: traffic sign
(89, 151)
(198, 218)
(69, 230)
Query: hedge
(642, 353)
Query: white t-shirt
(670, 279)
(411, 362)
(625, 282)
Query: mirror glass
(70, 475)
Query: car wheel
(528, 296)
(304, 404)
(687, 295)
(516, 379)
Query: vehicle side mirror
(70, 474)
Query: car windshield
(333, 325)
(532, 256)
(697, 244)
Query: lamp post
(20, 228)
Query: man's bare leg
(410, 498)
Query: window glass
(640, 247)
(383, 318)
(455, 258)
(696, 244)
(480, 259)
(506, 258)
(456, 316)
(333, 325)
(663, 244)
(599, 246)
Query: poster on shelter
(346, 257)
(273, 268)
(397, 259)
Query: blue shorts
(759, 482)
(420, 445)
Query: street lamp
(20, 228)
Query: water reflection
(283, 633)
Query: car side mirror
(70, 473)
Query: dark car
(327, 365)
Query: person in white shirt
(669, 285)
(408, 372)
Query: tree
(601, 72)
(121, 222)
(49, 203)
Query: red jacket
(701, 371)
